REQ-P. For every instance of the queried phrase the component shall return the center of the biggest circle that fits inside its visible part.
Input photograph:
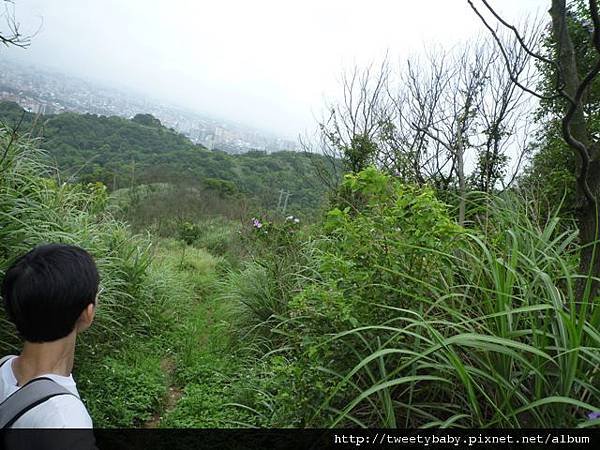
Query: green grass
(502, 341)
(150, 288)
(491, 334)
(192, 355)
(208, 370)
(123, 388)
(139, 377)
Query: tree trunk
(460, 162)
(588, 220)
(587, 211)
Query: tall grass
(36, 207)
(491, 334)
(502, 341)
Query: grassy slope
(177, 378)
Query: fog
(266, 63)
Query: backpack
(31, 394)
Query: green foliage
(208, 400)
(162, 207)
(360, 153)
(396, 317)
(122, 153)
(125, 390)
(219, 237)
(551, 174)
(34, 209)
(189, 232)
(223, 188)
(384, 313)
(147, 119)
(388, 235)
(260, 290)
(210, 374)
(491, 166)
(187, 350)
(578, 22)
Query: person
(50, 294)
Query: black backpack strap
(32, 394)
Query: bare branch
(13, 37)
(517, 35)
(510, 70)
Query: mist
(268, 64)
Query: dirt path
(169, 363)
(173, 395)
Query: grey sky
(268, 63)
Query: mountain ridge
(122, 152)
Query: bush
(404, 319)
(219, 236)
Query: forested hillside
(121, 153)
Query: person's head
(50, 292)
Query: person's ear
(86, 317)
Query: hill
(124, 152)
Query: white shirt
(62, 411)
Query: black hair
(46, 290)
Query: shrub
(219, 236)
(405, 319)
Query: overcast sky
(268, 63)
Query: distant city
(41, 91)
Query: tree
(147, 119)
(459, 107)
(442, 109)
(571, 95)
(553, 166)
(350, 132)
(453, 107)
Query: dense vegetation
(396, 317)
(34, 209)
(122, 153)
(552, 170)
(382, 313)
(407, 300)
